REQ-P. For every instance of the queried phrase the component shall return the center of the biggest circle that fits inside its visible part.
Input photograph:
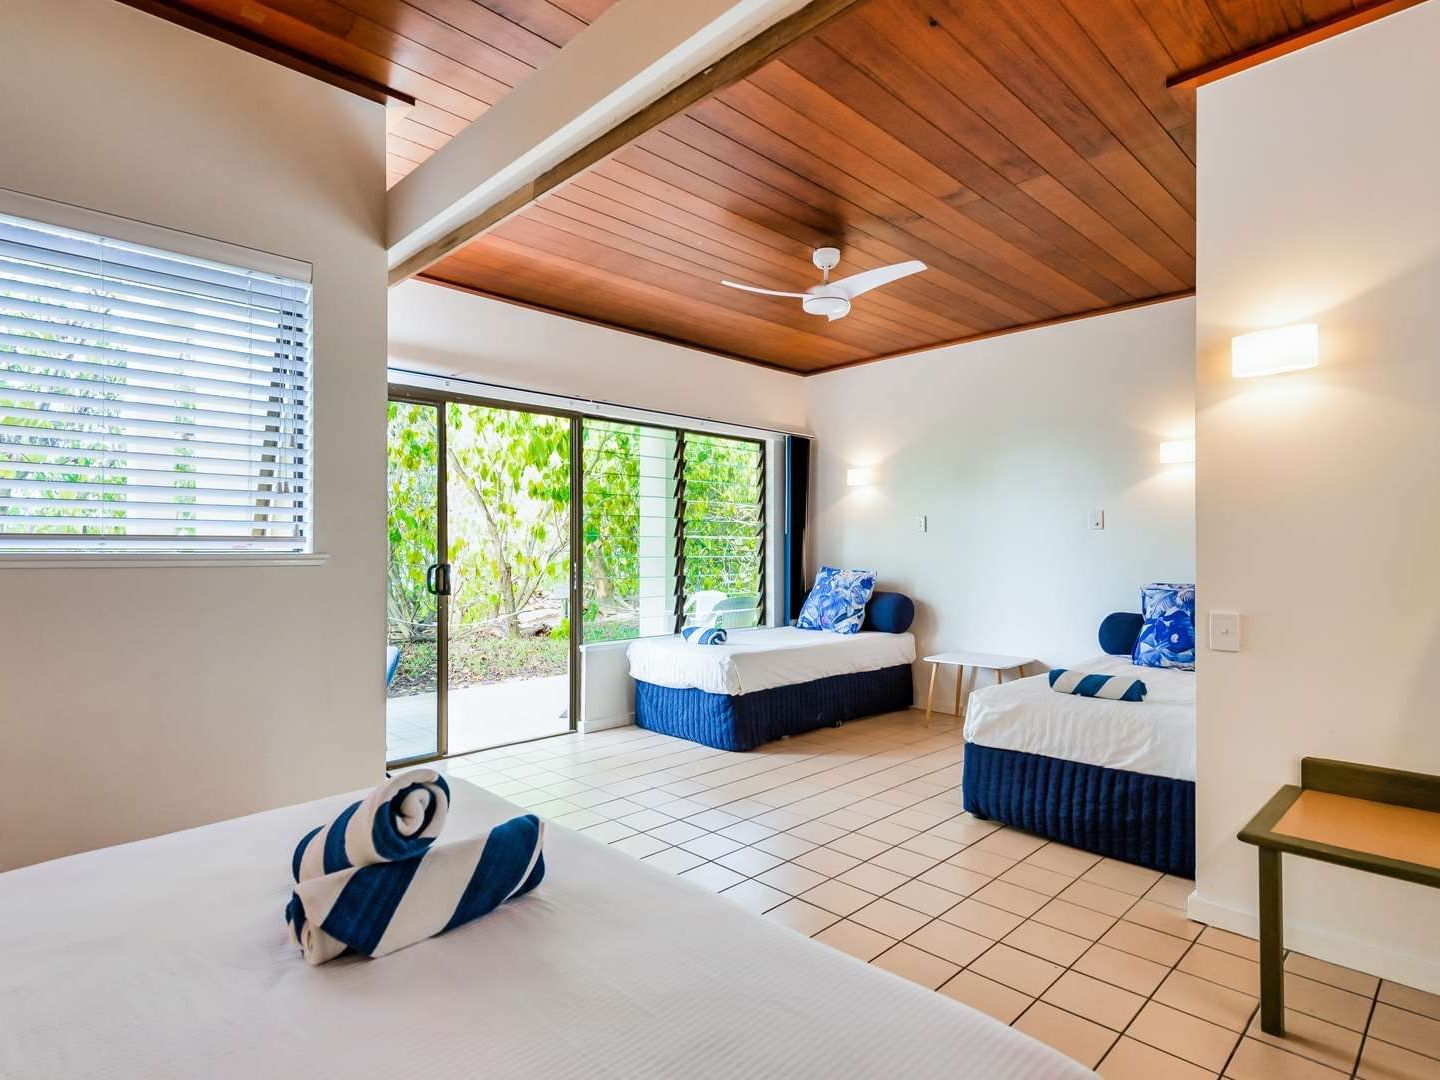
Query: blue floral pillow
(837, 602)
(1168, 637)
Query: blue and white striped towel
(374, 910)
(1110, 687)
(704, 635)
(398, 820)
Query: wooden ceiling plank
(749, 264)
(418, 134)
(1189, 30)
(895, 82)
(860, 216)
(875, 157)
(551, 21)
(481, 23)
(1247, 21)
(737, 64)
(953, 65)
(700, 321)
(972, 281)
(1062, 43)
(688, 281)
(1010, 59)
(723, 163)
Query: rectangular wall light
(859, 477)
(1177, 451)
(1269, 352)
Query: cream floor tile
(1416, 1001)
(1233, 971)
(1122, 877)
(861, 847)
(1235, 944)
(902, 861)
(1012, 898)
(1083, 1040)
(1197, 1041)
(755, 896)
(676, 860)
(888, 832)
(954, 879)
(1254, 1060)
(995, 999)
(873, 879)
(1098, 898)
(1142, 941)
(1406, 1029)
(1383, 1061)
(607, 832)
(790, 878)
(798, 915)
(1074, 919)
(639, 845)
(953, 943)
(1011, 843)
(838, 897)
(1130, 1059)
(747, 832)
(919, 967)
(1094, 1000)
(826, 861)
(1356, 982)
(712, 876)
(936, 847)
(1171, 891)
(1207, 1000)
(817, 832)
(920, 896)
(859, 941)
(782, 844)
(711, 845)
(1327, 1002)
(1019, 970)
(890, 918)
(1048, 943)
(1165, 919)
(990, 922)
(1036, 878)
(1329, 1044)
(1072, 862)
(982, 862)
(1133, 973)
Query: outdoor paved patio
(480, 716)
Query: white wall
(1005, 445)
(1319, 191)
(443, 331)
(138, 701)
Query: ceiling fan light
(832, 307)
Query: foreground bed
(768, 683)
(1113, 777)
(169, 958)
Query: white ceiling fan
(832, 298)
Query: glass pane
(508, 521)
(411, 645)
(630, 547)
(723, 539)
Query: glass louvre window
(723, 535)
(149, 401)
(673, 530)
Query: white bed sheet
(169, 958)
(765, 658)
(1155, 736)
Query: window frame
(162, 552)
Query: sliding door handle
(432, 579)
(444, 579)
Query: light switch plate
(1225, 631)
(922, 523)
(1096, 519)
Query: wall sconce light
(1177, 452)
(859, 477)
(1269, 352)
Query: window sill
(200, 560)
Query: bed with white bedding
(766, 683)
(169, 958)
(1113, 777)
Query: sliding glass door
(478, 636)
(518, 535)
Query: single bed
(1113, 777)
(767, 683)
(169, 958)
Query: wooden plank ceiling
(455, 58)
(1027, 150)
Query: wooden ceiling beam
(1360, 15)
(736, 65)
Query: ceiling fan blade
(866, 280)
(762, 292)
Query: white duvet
(765, 658)
(168, 958)
(1155, 736)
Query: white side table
(996, 662)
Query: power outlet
(922, 523)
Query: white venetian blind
(149, 401)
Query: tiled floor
(854, 836)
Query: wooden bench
(1383, 821)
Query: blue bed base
(1148, 820)
(745, 721)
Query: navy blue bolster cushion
(1118, 632)
(892, 613)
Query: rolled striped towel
(374, 910)
(704, 635)
(1110, 687)
(398, 820)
